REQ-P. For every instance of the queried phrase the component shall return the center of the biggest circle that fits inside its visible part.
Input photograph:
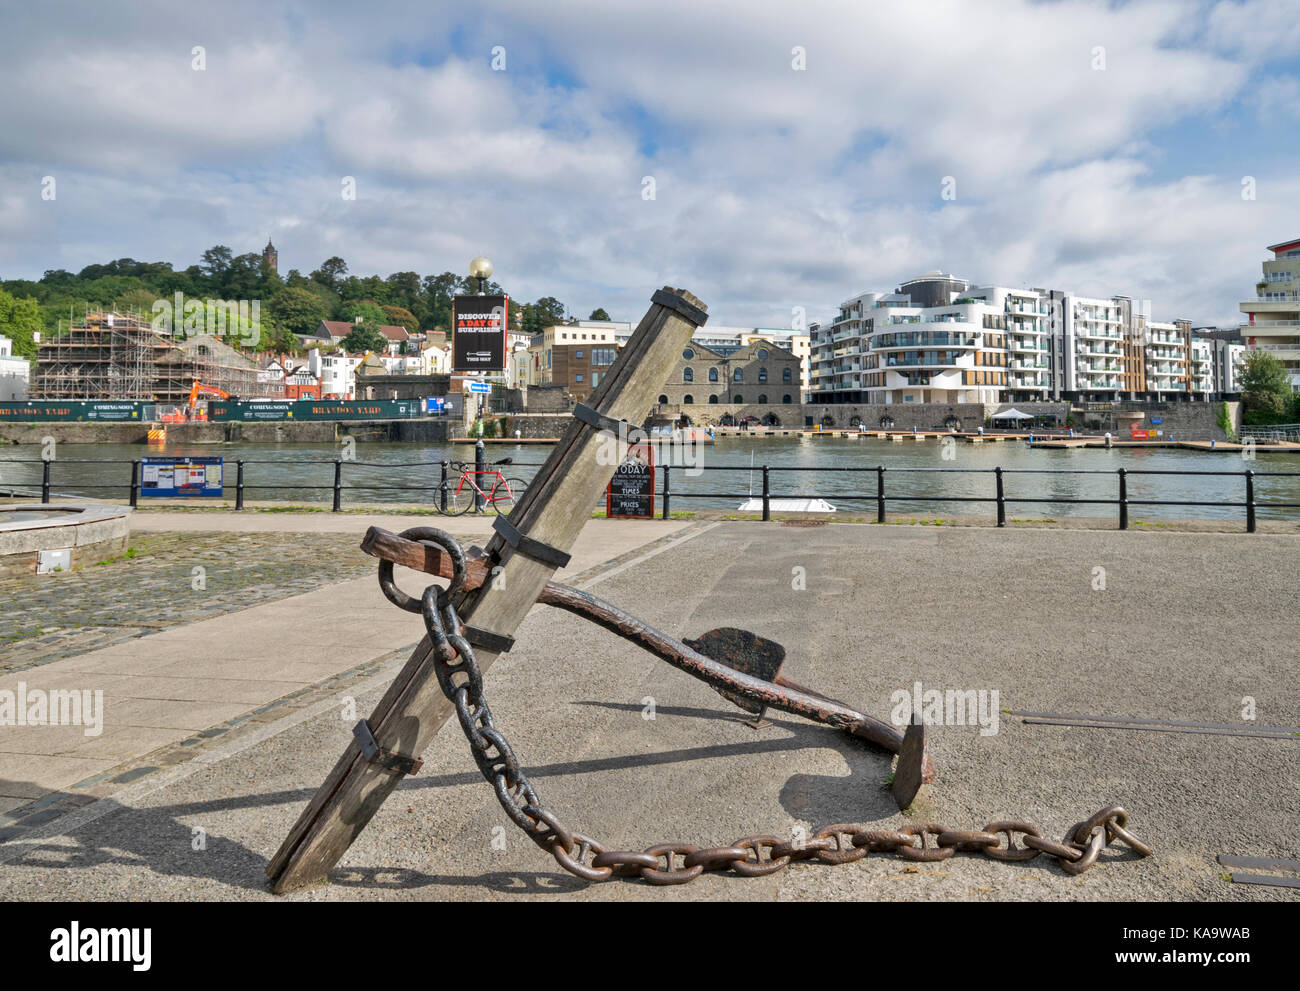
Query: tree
(550, 311)
(216, 262)
(331, 272)
(20, 320)
(598, 314)
(298, 310)
(1265, 389)
(1264, 373)
(367, 309)
(397, 316)
(365, 337)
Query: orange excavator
(202, 390)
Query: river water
(273, 472)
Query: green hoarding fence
(316, 409)
(106, 411)
(111, 411)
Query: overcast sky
(1092, 146)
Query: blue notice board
(175, 477)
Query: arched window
(714, 399)
(688, 399)
(688, 374)
(762, 354)
(663, 400)
(739, 375)
(762, 374)
(738, 399)
(785, 374)
(762, 398)
(713, 375)
(786, 399)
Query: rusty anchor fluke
(742, 667)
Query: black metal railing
(998, 497)
(878, 495)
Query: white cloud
(774, 187)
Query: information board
(479, 325)
(180, 476)
(631, 492)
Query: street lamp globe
(480, 268)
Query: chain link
(461, 682)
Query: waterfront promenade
(227, 716)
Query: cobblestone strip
(173, 579)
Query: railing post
(338, 485)
(442, 490)
(1002, 502)
(1123, 498)
(767, 502)
(667, 492)
(480, 467)
(45, 480)
(135, 484)
(239, 484)
(1250, 500)
(880, 493)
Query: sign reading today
(631, 492)
(479, 326)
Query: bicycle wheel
(505, 494)
(460, 499)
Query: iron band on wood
(600, 421)
(377, 755)
(488, 640)
(674, 302)
(529, 547)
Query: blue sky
(1095, 147)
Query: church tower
(270, 256)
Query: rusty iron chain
(461, 682)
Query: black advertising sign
(631, 492)
(479, 326)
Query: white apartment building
(1273, 316)
(15, 373)
(938, 339)
(1167, 360)
(893, 348)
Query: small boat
(788, 506)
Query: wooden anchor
(527, 549)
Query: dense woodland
(290, 304)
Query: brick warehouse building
(756, 373)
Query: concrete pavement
(1173, 626)
(162, 689)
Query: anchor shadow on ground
(163, 840)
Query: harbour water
(410, 473)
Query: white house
(15, 373)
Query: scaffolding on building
(120, 355)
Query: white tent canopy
(1012, 414)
